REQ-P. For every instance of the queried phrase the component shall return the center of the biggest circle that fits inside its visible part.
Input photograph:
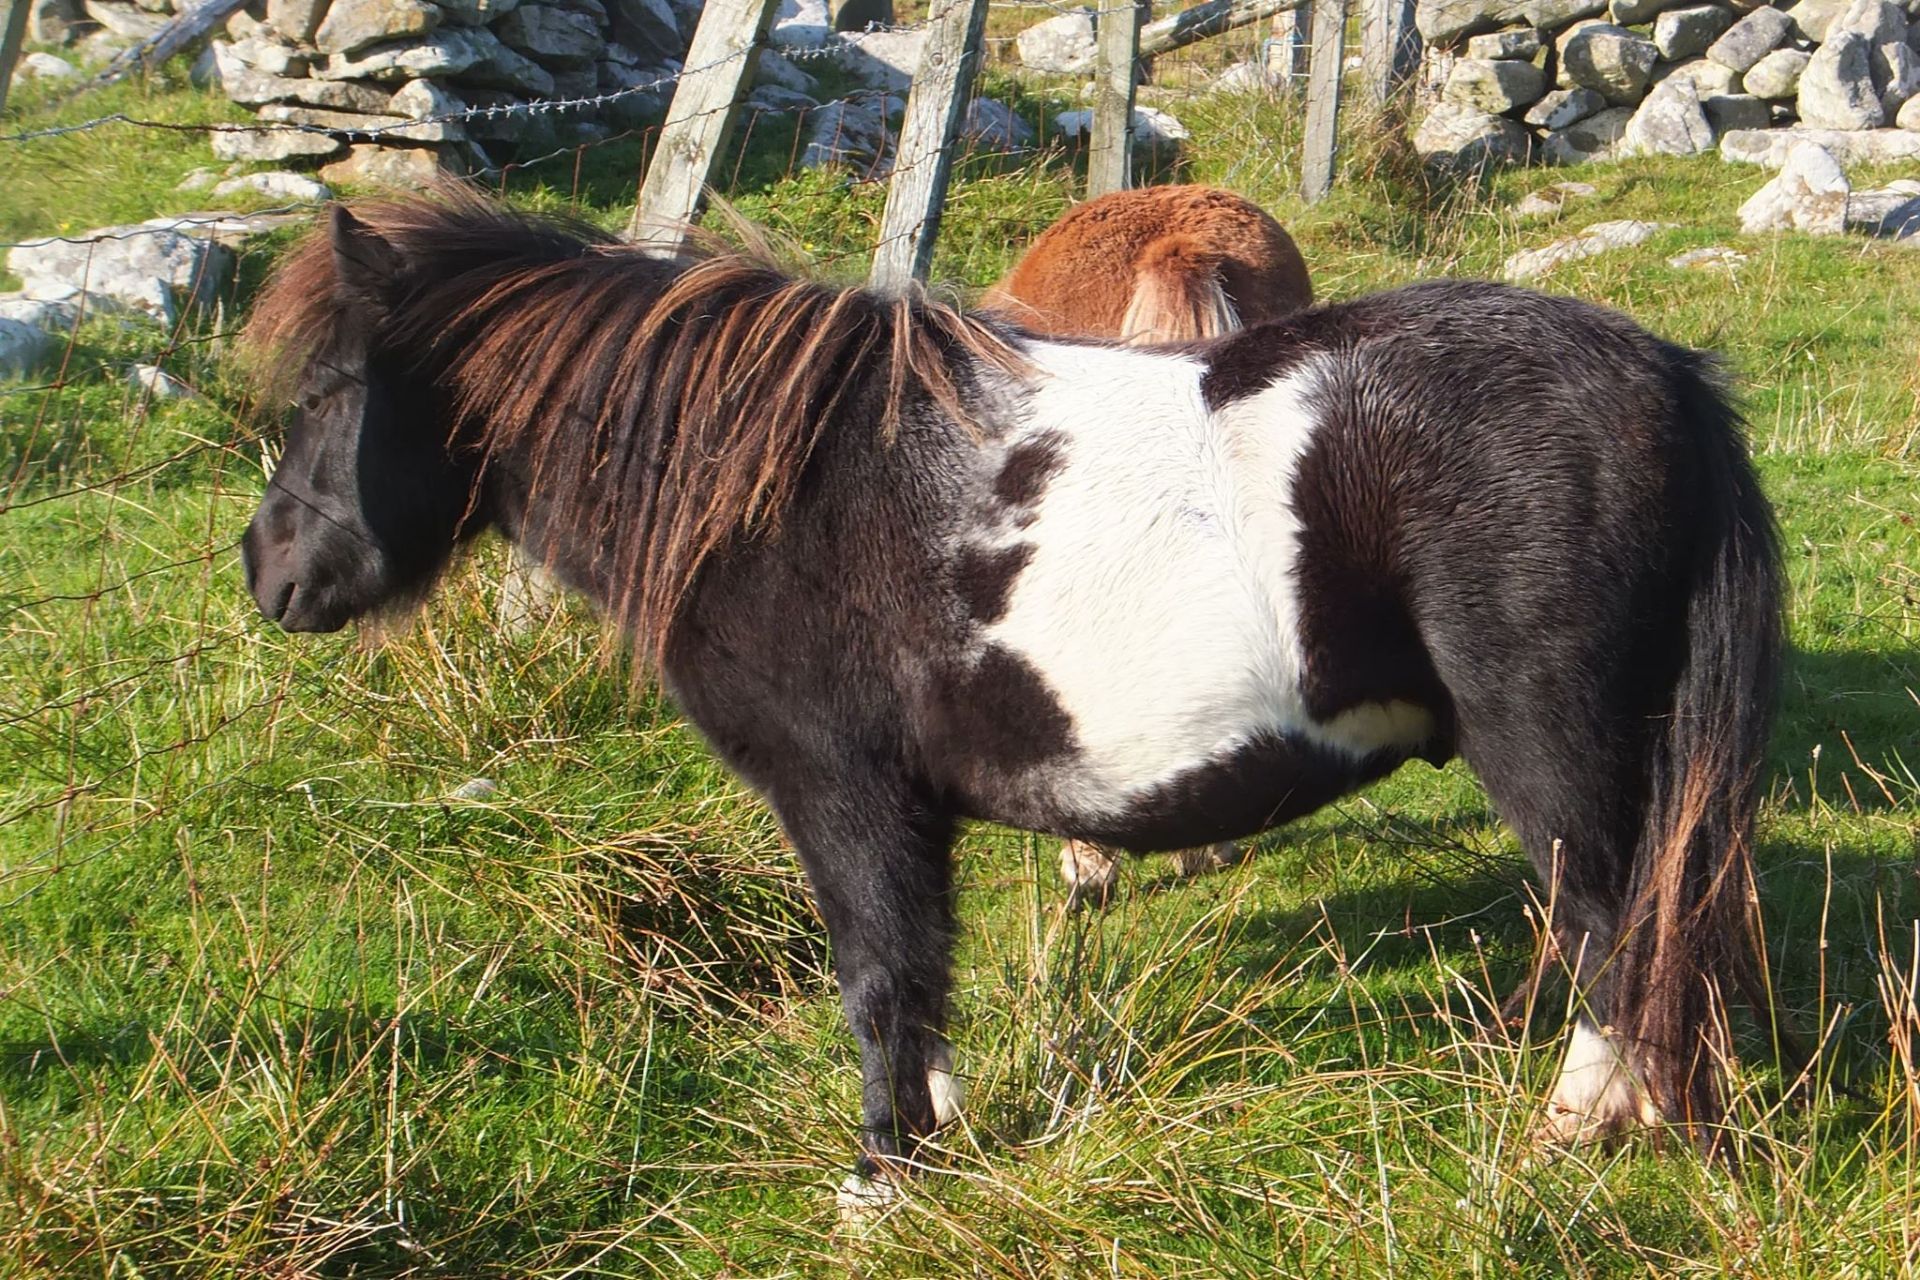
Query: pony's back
(1159, 264)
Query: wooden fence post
(12, 35)
(924, 160)
(1110, 155)
(719, 69)
(1389, 45)
(1323, 98)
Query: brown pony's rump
(709, 374)
(1158, 264)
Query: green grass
(274, 1002)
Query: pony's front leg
(879, 861)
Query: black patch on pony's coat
(1270, 780)
(984, 578)
(1001, 709)
(1249, 361)
(1029, 465)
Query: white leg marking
(1212, 857)
(1090, 872)
(864, 1201)
(949, 1091)
(1597, 1094)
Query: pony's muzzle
(275, 582)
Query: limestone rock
(1776, 76)
(279, 186)
(142, 266)
(1632, 13)
(1443, 23)
(852, 132)
(1902, 80)
(772, 98)
(1837, 90)
(1808, 194)
(992, 126)
(1552, 198)
(404, 168)
(150, 382)
(1713, 257)
(1751, 39)
(447, 52)
(1811, 18)
(130, 23)
(1909, 117)
(1892, 212)
(41, 313)
(44, 66)
(1880, 21)
(353, 25)
(1601, 237)
(296, 20)
(497, 67)
(1670, 122)
(53, 21)
(1729, 111)
(1610, 60)
(645, 93)
(1551, 15)
(354, 126)
(1522, 43)
(275, 57)
(22, 348)
(648, 28)
(1682, 33)
(1494, 87)
(476, 13)
(1063, 44)
(883, 60)
(802, 24)
(1563, 107)
(1706, 76)
(1768, 147)
(423, 100)
(1465, 139)
(1152, 128)
(1590, 139)
(1254, 75)
(272, 144)
(552, 37)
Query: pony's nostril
(283, 602)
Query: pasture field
(283, 993)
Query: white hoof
(1212, 857)
(1597, 1095)
(864, 1201)
(949, 1091)
(1090, 872)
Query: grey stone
(1443, 23)
(1713, 257)
(128, 22)
(280, 187)
(1467, 140)
(1893, 212)
(44, 66)
(197, 180)
(423, 100)
(497, 67)
(574, 83)
(275, 57)
(1729, 111)
(297, 20)
(1610, 60)
(1552, 198)
(1153, 129)
(1590, 139)
(774, 69)
(1776, 76)
(551, 37)
(1768, 147)
(1707, 77)
(1503, 45)
(353, 25)
(772, 98)
(860, 15)
(1808, 194)
(1682, 33)
(144, 267)
(475, 789)
(1837, 90)
(1494, 87)
(1903, 78)
(851, 132)
(1563, 107)
(356, 126)
(41, 313)
(645, 92)
(151, 382)
(22, 348)
(272, 144)
(648, 28)
(508, 124)
(405, 168)
(1670, 123)
(1633, 13)
(1751, 39)
(1909, 117)
(883, 60)
(448, 52)
(1811, 18)
(802, 24)
(993, 126)
(476, 13)
(1063, 44)
(1601, 237)
(1878, 20)
(225, 227)
(53, 21)
(1254, 75)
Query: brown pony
(1160, 264)
(1157, 264)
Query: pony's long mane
(664, 406)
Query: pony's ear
(365, 265)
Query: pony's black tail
(1692, 915)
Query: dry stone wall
(1566, 81)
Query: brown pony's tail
(1177, 294)
(1692, 915)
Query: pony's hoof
(1213, 857)
(949, 1091)
(865, 1201)
(1091, 873)
(1598, 1097)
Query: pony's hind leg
(1092, 871)
(878, 861)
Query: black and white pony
(906, 568)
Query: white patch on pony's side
(1597, 1094)
(1159, 603)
